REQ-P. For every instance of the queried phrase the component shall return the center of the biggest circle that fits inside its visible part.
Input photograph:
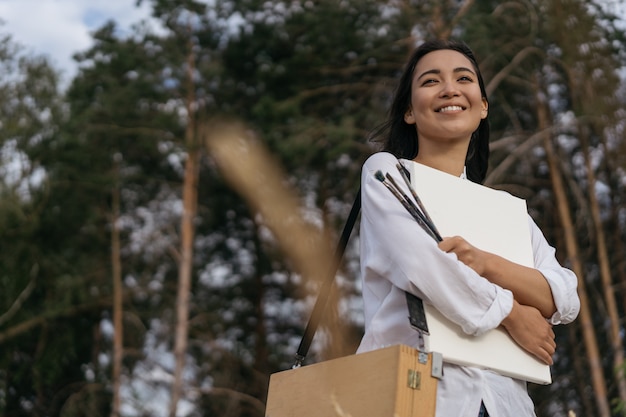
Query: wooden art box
(396, 381)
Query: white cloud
(60, 28)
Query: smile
(450, 108)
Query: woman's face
(446, 102)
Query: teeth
(450, 108)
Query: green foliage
(312, 79)
(311, 87)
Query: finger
(545, 357)
(549, 347)
(447, 244)
(552, 343)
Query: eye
(429, 81)
(466, 78)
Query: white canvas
(494, 221)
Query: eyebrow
(437, 71)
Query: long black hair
(400, 138)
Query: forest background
(138, 279)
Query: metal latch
(437, 365)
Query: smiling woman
(439, 119)
(446, 107)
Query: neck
(452, 161)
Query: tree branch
(71, 311)
(21, 298)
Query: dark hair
(400, 138)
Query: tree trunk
(586, 322)
(260, 348)
(605, 273)
(190, 201)
(616, 242)
(118, 335)
(576, 353)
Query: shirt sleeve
(563, 282)
(396, 248)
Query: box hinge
(414, 379)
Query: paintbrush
(392, 186)
(427, 219)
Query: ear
(485, 110)
(408, 117)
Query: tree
(131, 122)
(43, 315)
(548, 53)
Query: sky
(60, 28)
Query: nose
(449, 89)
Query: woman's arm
(532, 305)
(528, 285)
(395, 250)
(549, 287)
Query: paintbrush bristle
(379, 176)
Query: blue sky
(60, 28)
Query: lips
(450, 108)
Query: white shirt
(398, 256)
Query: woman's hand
(468, 254)
(531, 331)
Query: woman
(439, 118)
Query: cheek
(477, 98)
(419, 103)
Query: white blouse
(398, 256)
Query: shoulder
(380, 157)
(380, 160)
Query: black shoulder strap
(320, 303)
